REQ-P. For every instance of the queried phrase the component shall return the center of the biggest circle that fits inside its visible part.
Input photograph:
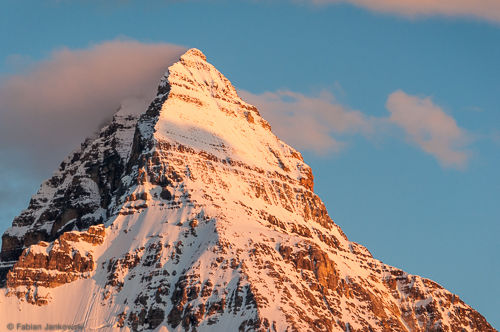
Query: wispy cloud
(482, 9)
(309, 122)
(430, 128)
(322, 125)
(49, 108)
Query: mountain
(194, 216)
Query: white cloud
(308, 122)
(51, 107)
(482, 9)
(430, 128)
(318, 123)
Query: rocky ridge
(209, 222)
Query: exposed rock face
(211, 224)
(53, 264)
(81, 192)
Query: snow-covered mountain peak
(194, 216)
(194, 53)
(203, 111)
(193, 70)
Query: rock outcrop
(49, 265)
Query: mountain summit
(194, 216)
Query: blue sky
(412, 206)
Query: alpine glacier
(194, 216)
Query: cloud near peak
(320, 124)
(483, 9)
(309, 122)
(429, 127)
(48, 109)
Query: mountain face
(194, 216)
